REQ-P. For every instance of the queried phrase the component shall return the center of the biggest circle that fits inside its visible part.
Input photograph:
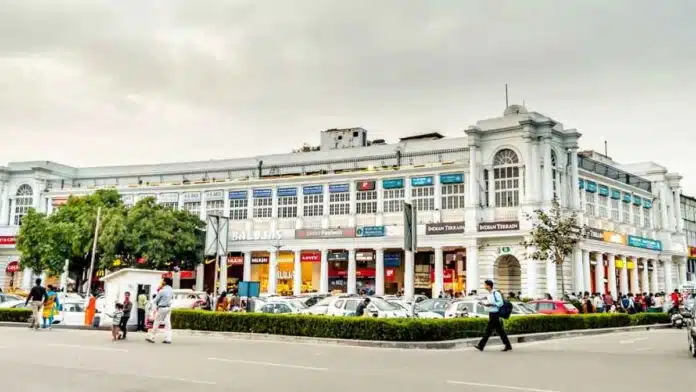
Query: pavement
(79, 360)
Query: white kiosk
(132, 280)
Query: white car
(347, 306)
(321, 308)
(474, 308)
(186, 298)
(283, 306)
(14, 304)
(72, 313)
(414, 310)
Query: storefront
(187, 279)
(235, 270)
(454, 270)
(424, 268)
(338, 271)
(365, 271)
(12, 278)
(259, 269)
(691, 265)
(393, 271)
(285, 273)
(311, 270)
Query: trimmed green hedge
(362, 328)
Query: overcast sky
(96, 82)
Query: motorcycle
(677, 320)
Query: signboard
(499, 226)
(313, 189)
(287, 192)
(444, 228)
(235, 260)
(647, 203)
(191, 197)
(305, 234)
(237, 195)
(627, 198)
(390, 274)
(364, 256)
(359, 272)
(692, 252)
(8, 240)
(453, 178)
(591, 186)
(339, 188)
(59, 201)
(263, 193)
(12, 267)
(259, 260)
(366, 186)
(616, 194)
(392, 259)
(393, 183)
(310, 256)
(594, 234)
(447, 276)
(255, 235)
(338, 256)
(182, 275)
(603, 190)
(249, 289)
(637, 200)
(370, 231)
(216, 195)
(614, 238)
(422, 181)
(645, 243)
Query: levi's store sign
(7, 240)
(310, 257)
(692, 252)
(366, 185)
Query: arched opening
(24, 200)
(506, 177)
(508, 274)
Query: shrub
(15, 315)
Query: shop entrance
(508, 274)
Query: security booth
(132, 280)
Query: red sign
(141, 260)
(259, 260)
(448, 276)
(235, 260)
(182, 275)
(312, 257)
(692, 251)
(366, 185)
(390, 274)
(12, 267)
(8, 240)
(360, 272)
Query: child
(117, 316)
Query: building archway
(508, 274)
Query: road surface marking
(644, 349)
(632, 341)
(187, 380)
(475, 384)
(270, 364)
(88, 347)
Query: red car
(547, 306)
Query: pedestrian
(494, 303)
(116, 321)
(163, 305)
(208, 302)
(223, 304)
(142, 304)
(598, 303)
(37, 296)
(127, 309)
(50, 305)
(360, 309)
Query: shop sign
(390, 274)
(12, 267)
(313, 189)
(146, 195)
(591, 186)
(499, 226)
(645, 243)
(370, 231)
(366, 186)
(453, 178)
(360, 272)
(255, 235)
(614, 238)
(8, 240)
(237, 195)
(59, 201)
(447, 276)
(339, 188)
(393, 183)
(182, 275)
(364, 256)
(191, 197)
(421, 280)
(594, 234)
(627, 197)
(392, 259)
(259, 260)
(286, 258)
(603, 190)
(287, 192)
(306, 234)
(692, 251)
(422, 181)
(338, 256)
(285, 275)
(637, 200)
(168, 198)
(444, 228)
(616, 194)
(581, 184)
(235, 260)
(219, 195)
(262, 193)
(505, 250)
(647, 203)
(312, 257)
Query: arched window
(23, 202)
(506, 177)
(554, 174)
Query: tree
(554, 235)
(30, 241)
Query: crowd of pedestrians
(627, 303)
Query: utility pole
(94, 254)
(410, 247)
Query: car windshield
(324, 302)
(433, 304)
(400, 305)
(298, 304)
(383, 305)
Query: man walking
(127, 309)
(142, 303)
(37, 296)
(495, 302)
(163, 305)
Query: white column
(531, 287)
(297, 275)
(222, 267)
(379, 273)
(635, 286)
(586, 274)
(352, 272)
(200, 278)
(574, 179)
(653, 277)
(599, 274)
(472, 280)
(669, 287)
(578, 270)
(678, 213)
(547, 182)
(438, 198)
(408, 274)
(472, 193)
(246, 274)
(272, 272)
(682, 270)
(645, 277)
(439, 273)
(536, 172)
(353, 206)
(623, 276)
(551, 279)
(611, 270)
(663, 206)
(204, 205)
(528, 170)
(324, 272)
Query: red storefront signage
(8, 240)
(12, 267)
(692, 251)
(310, 257)
(360, 273)
(448, 276)
(366, 185)
(259, 260)
(235, 260)
(182, 275)
(390, 274)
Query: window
(239, 209)
(23, 202)
(263, 207)
(339, 203)
(193, 207)
(615, 210)
(287, 207)
(423, 198)
(393, 200)
(647, 222)
(590, 203)
(366, 202)
(506, 178)
(637, 220)
(626, 214)
(486, 201)
(453, 196)
(603, 206)
(172, 205)
(214, 207)
(314, 205)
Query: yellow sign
(614, 238)
(286, 258)
(619, 263)
(631, 265)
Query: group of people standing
(44, 305)
(626, 303)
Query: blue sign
(339, 188)
(393, 183)
(421, 181)
(627, 197)
(261, 193)
(370, 231)
(392, 259)
(287, 192)
(591, 186)
(616, 194)
(237, 195)
(249, 289)
(313, 189)
(582, 184)
(454, 178)
(645, 243)
(604, 190)
(647, 203)
(637, 200)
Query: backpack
(506, 310)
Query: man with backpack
(499, 309)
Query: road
(75, 361)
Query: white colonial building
(330, 218)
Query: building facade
(331, 218)
(688, 211)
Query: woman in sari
(50, 307)
(223, 304)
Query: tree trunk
(563, 290)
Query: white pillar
(352, 272)
(663, 206)
(682, 270)
(246, 273)
(635, 286)
(574, 179)
(472, 200)
(547, 182)
(551, 279)
(611, 270)
(222, 267)
(409, 271)
(379, 273)
(200, 278)
(324, 272)
(578, 270)
(669, 287)
(297, 275)
(438, 285)
(272, 272)
(645, 277)
(472, 280)
(587, 278)
(599, 274)
(654, 287)
(678, 213)
(528, 171)
(623, 276)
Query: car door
(351, 306)
(336, 309)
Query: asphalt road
(77, 361)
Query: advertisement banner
(182, 275)
(370, 231)
(306, 234)
(614, 238)
(499, 226)
(310, 257)
(645, 243)
(8, 240)
(366, 186)
(444, 228)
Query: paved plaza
(75, 361)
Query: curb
(442, 345)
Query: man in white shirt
(494, 303)
(163, 305)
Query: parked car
(691, 331)
(281, 307)
(414, 310)
(321, 308)
(347, 306)
(72, 313)
(436, 305)
(547, 306)
(473, 307)
(9, 297)
(187, 299)
(14, 304)
(311, 299)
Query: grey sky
(98, 82)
